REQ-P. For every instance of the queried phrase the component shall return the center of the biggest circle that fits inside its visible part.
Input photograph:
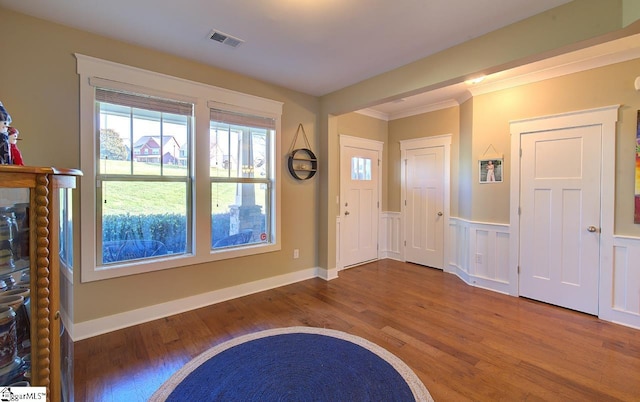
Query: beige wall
(575, 25)
(41, 91)
(595, 88)
(481, 126)
(441, 122)
(359, 125)
(465, 167)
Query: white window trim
(119, 76)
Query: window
(241, 183)
(360, 168)
(184, 173)
(143, 202)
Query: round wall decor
(303, 164)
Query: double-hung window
(144, 186)
(175, 172)
(241, 178)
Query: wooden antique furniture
(45, 194)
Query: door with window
(359, 205)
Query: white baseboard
(327, 274)
(479, 282)
(88, 329)
(391, 256)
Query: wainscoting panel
(491, 252)
(480, 253)
(391, 236)
(458, 246)
(625, 289)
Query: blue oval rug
(294, 364)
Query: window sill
(168, 262)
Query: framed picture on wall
(490, 170)
(636, 215)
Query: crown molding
(447, 103)
(570, 63)
(617, 51)
(374, 113)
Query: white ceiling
(320, 46)
(312, 46)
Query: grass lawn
(146, 197)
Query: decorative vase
(23, 320)
(13, 301)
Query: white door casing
(425, 199)
(605, 120)
(560, 217)
(360, 183)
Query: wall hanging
(302, 163)
(636, 215)
(490, 166)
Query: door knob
(592, 229)
(346, 213)
(439, 213)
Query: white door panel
(424, 228)
(560, 201)
(359, 205)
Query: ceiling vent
(225, 39)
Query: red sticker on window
(263, 236)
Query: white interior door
(560, 217)
(424, 206)
(359, 204)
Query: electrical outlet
(478, 258)
(296, 253)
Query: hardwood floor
(464, 343)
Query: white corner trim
(327, 274)
(98, 326)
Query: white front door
(359, 204)
(424, 206)
(560, 217)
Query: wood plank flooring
(463, 342)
